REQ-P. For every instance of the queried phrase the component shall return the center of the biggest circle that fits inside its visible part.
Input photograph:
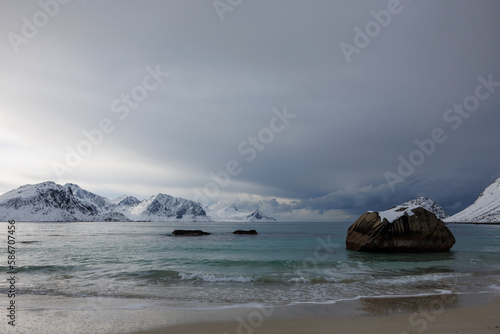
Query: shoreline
(443, 313)
(439, 314)
(471, 223)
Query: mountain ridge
(48, 201)
(406, 209)
(429, 205)
(485, 209)
(231, 213)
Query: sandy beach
(447, 313)
(430, 316)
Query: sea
(285, 264)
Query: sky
(312, 110)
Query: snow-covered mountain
(126, 201)
(406, 208)
(429, 205)
(257, 215)
(44, 202)
(49, 201)
(98, 203)
(232, 214)
(163, 207)
(486, 208)
(112, 216)
(229, 213)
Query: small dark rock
(189, 233)
(250, 232)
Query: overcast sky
(313, 110)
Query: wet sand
(432, 315)
(447, 313)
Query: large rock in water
(401, 229)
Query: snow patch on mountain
(406, 209)
(232, 214)
(98, 203)
(163, 207)
(126, 201)
(49, 201)
(114, 217)
(45, 201)
(429, 205)
(486, 208)
(257, 215)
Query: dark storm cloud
(353, 119)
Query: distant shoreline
(459, 223)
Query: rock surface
(402, 229)
(189, 233)
(250, 232)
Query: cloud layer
(74, 69)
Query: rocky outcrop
(189, 233)
(250, 232)
(401, 229)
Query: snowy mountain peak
(230, 210)
(45, 201)
(31, 189)
(46, 184)
(98, 203)
(486, 208)
(126, 201)
(407, 207)
(165, 207)
(49, 201)
(258, 215)
(232, 214)
(162, 197)
(429, 205)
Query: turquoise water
(287, 263)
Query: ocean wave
(47, 268)
(215, 278)
(147, 275)
(402, 280)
